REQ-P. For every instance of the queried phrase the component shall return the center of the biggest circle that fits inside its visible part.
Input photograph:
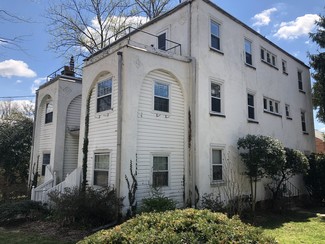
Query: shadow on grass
(271, 220)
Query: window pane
(287, 111)
(251, 113)
(161, 90)
(215, 90)
(49, 107)
(276, 107)
(161, 104)
(48, 117)
(215, 37)
(104, 88)
(101, 161)
(46, 161)
(160, 163)
(271, 106)
(215, 42)
(216, 157)
(216, 105)
(162, 41)
(249, 58)
(273, 60)
(265, 103)
(160, 179)
(262, 54)
(214, 29)
(101, 178)
(217, 172)
(248, 51)
(104, 103)
(250, 99)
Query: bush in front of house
(157, 202)
(92, 208)
(181, 226)
(21, 211)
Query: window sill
(289, 118)
(305, 133)
(302, 91)
(274, 67)
(217, 115)
(216, 50)
(285, 73)
(252, 121)
(217, 183)
(272, 113)
(250, 66)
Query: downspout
(32, 147)
(119, 124)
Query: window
(271, 105)
(248, 52)
(215, 97)
(46, 161)
(161, 97)
(104, 95)
(251, 107)
(160, 171)
(216, 165)
(49, 112)
(215, 35)
(287, 108)
(284, 67)
(101, 168)
(300, 86)
(303, 121)
(162, 41)
(268, 57)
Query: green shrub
(181, 226)
(212, 202)
(91, 208)
(157, 203)
(20, 210)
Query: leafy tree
(317, 62)
(15, 143)
(261, 155)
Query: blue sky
(286, 23)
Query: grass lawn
(294, 227)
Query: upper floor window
(104, 95)
(160, 171)
(284, 67)
(216, 102)
(268, 57)
(49, 112)
(215, 35)
(162, 41)
(300, 85)
(248, 52)
(101, 169)
(288, 113)
(216, 164)
(303, 121)
(161, 97)
(251, 106)
(271, 105)
(45, 162)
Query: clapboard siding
(102, 134)
(71, 141)
(161, 133)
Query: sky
(23, 68)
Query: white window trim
(161, 154)
(253, 93)
(220, 147)
(222, 100)
(271, 56)
(302, 80)
(252, 51)
(157, 112)
(268, 110)
(218, 22)
(96, 95)
(289, 110)
(109, 166)
(285, 65)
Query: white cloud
(9, 68)
(37, 83)
(301, 26)
(263, 18)
(19, 81)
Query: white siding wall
(161, 134)
(102, 133)
(71, 141)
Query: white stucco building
(174, 97)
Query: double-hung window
(268, 57)
(45, 162)
(216, 98)
(161, 97)
(248, 52)
(303, 121)
(251, 106)
(101, 169)
(287, 108)
(162, 41)
(49, 112)
(284, 67)
(160, 171)
(300, 85)
(215, 34)
(216, 164)
(271, 105)
(104, 95)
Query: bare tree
(83, 27)
(153, 8)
